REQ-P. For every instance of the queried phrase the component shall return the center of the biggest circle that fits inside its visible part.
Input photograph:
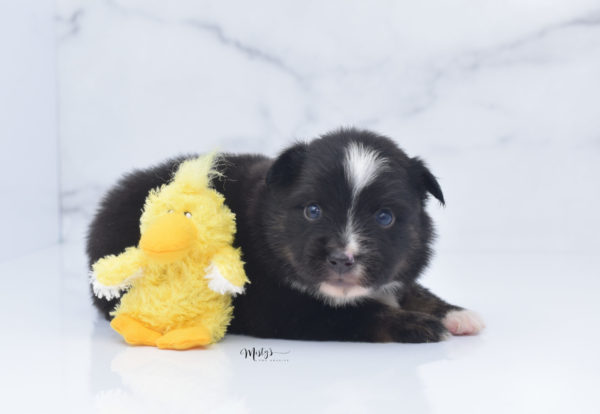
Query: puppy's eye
(187, 214)
(384, 217)
(312, 211)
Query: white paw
(463, 322)
(217, 283)
(111, 292)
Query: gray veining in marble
(501, 99)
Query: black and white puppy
(334, 234)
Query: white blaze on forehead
(352, 240)
(361, 166)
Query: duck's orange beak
(168, 238)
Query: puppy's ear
(424, 179)
(287, 166)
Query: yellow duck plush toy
(181, 276)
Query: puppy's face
(346, 215)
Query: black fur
(286, 255)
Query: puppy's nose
(340, 261)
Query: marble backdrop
(500, 97)
(29, 164)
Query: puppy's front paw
(415, 327)
(463, 322)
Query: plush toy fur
(180, 276)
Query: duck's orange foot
(185, 338)
(133, 331)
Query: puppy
(334, 235)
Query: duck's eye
(170, 211)
(384, 217)
(312, 211)
(188, 214)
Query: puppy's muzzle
(341, 262)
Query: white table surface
(538, 353)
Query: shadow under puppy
(334, 234)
